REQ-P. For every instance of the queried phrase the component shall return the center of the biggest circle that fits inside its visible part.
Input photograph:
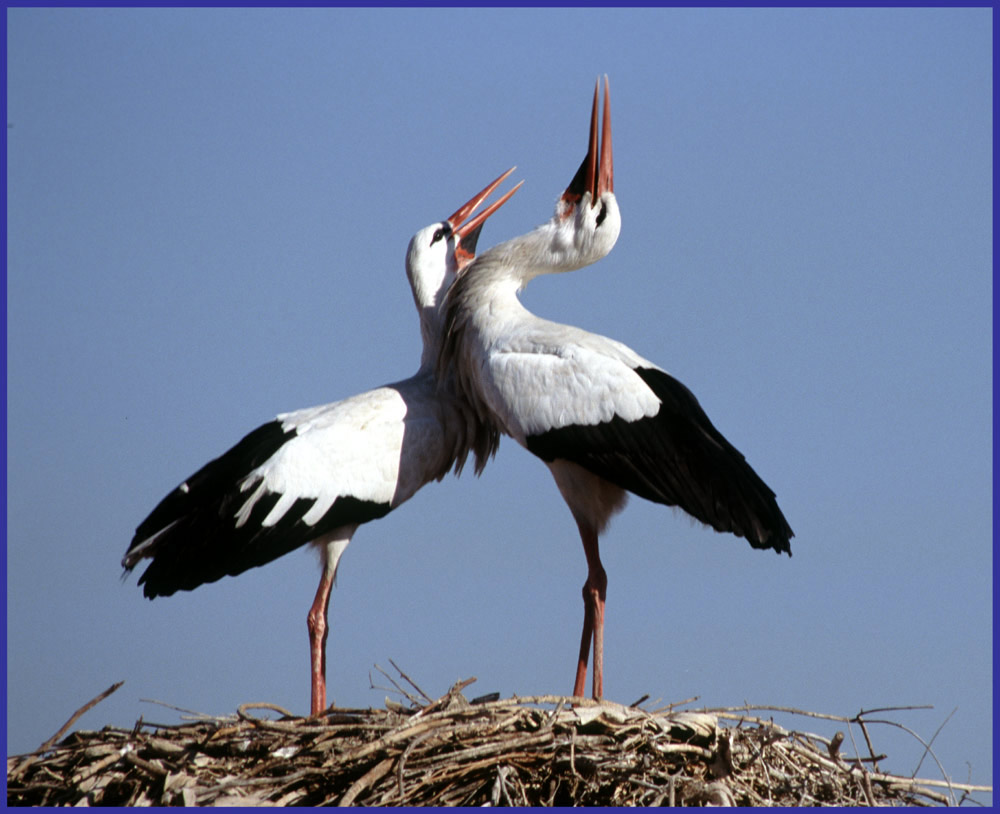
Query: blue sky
(207, 217)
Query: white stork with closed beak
(315, 475)
(605, 420)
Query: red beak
(467, 233)
(595, 177)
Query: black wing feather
(678, 458)
(198, 539)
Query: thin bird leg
(588, 629)
(318, 630)
(594, 596)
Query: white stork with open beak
(315, 475)
(605, 420)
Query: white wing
(294, 480)
(550, 376)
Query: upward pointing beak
(467, 234)
(595, 176)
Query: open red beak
(467, 234)
(595, 177)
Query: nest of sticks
(538, 751)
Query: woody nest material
(543, 750)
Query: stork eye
(602, 214)
(443, 231)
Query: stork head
(437, 253)
(435, 257)
(587, 220)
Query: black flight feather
(198, 538)
(676, 457)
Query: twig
(555, 714)
(148, 766)
(864, 731)
(241, 710)
(402, 760)
(244, 782)
(921, 781)
(866, 787)
(765, 708)
(444, 702)
(895, 709)
(675, 704)
(925, 744)
(833, 747)
(928, 749)
(399, 689)
(369, 778)
(93, 702)
(411, 682)
(201, 716)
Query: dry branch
(543, 750)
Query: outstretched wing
(594, 402)
(290, 481)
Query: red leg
(594, 595)
(318, 630)
(598, 600)
(588, 630)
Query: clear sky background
(208, 214)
